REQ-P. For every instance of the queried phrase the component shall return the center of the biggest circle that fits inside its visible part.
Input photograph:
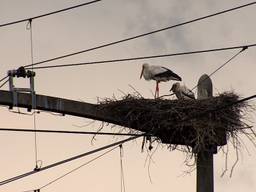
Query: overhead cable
(47, 14)
(4, 182)
(122, 169)
(30, 28)
(4, 83)
(224, 64)
(216, 70)
(5, 77)
(75, 169)
(144, 34)
(144, 57)
(69, 132)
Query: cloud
(151, 15)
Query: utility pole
(57, 105)
(27, 98)
(204, 159)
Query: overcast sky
(104, 22)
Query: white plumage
(182, 92)
(159, 74)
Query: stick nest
(196, 123)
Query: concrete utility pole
(204, 161)
(70, 107)
(56, 104)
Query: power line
(30, 28)
(4, 78)
(4, 83)
(47, 14)
(122, 168)
(144, 34)
(224, 64)
(67, 160)
(77, 168)
(73, 170)
(69, 132)
(145, 57)
(43, 15)
(216, 70)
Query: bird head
(143, 68)
(175, 86)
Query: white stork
(182, 92)
(159, 74)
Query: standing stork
(182, 92)
(159, 74)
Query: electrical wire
(224, 64)
(144, 34)
(75, 169)
(4, 83)
(4, 182)
(244, 48)
(122, 169)
(3, 78)
(30, 28)
(47, 14)
(215, 71)
(145, 57)
(70, 132)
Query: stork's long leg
(157, 90)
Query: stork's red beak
(141, 72)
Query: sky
(105, 22)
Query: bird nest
(199, 124)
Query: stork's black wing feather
(169, 73)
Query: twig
(122, 92)
(85, 125)
(167, 95)
(94, 136)
(135, 91)
(226, 161)
(237, 159)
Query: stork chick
(182, 92)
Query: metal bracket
(22, 72)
